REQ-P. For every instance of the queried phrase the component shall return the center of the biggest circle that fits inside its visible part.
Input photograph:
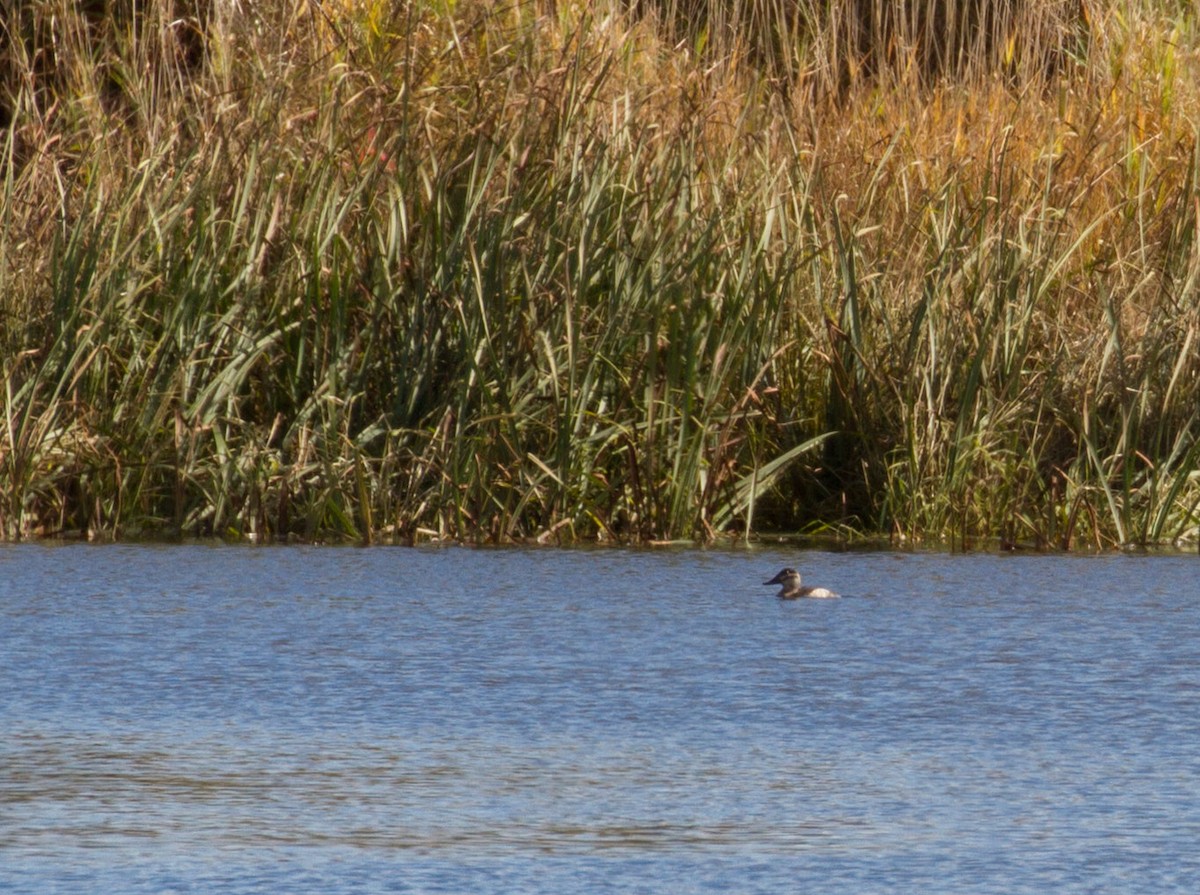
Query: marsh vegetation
(501, 270)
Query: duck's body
(791, 588)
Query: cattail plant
(503, 271)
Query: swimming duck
(789, 582)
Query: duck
(791, 589)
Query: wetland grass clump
(509, 271)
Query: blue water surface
(341, 720)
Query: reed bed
(495, 271)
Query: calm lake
(337, 720)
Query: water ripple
(321, 719)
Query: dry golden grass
(629, 271)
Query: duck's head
(787, 578)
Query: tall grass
(507, 271)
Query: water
(204, 719)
